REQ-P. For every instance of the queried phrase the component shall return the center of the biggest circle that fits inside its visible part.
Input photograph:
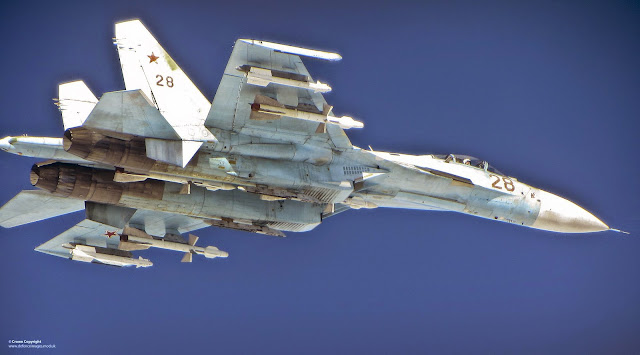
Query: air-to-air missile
(135, 239)
(107, 256)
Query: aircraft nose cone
(561, 215)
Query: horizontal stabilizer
(35, 205)
(129, 112)
(75, 102)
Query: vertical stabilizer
(75, 101)
(148, 67)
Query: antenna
(619, 231)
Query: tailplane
(35, 205)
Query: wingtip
(50, 252)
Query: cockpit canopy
(468, 160)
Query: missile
(277, 47)
(108, 256)
(266, 108)
(135, 239)
(263, 77)
(345, 122)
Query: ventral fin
(177, 153)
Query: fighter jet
(268, 156)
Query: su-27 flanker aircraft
(158, 160)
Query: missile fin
(136, 232)
(192, 239)
(322, 128)
(266, 100)
(186, 189)
(128, 246)
(326, 109)
(187, 258)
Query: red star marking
(152, 58)
(110, 234)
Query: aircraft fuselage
(313, 182)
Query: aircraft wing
(86, 232)
(273, 74)
(105, 233)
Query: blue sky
(547, 91)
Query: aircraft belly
(241, 205)
(212, 167)
(97, 185)
(234, 204)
